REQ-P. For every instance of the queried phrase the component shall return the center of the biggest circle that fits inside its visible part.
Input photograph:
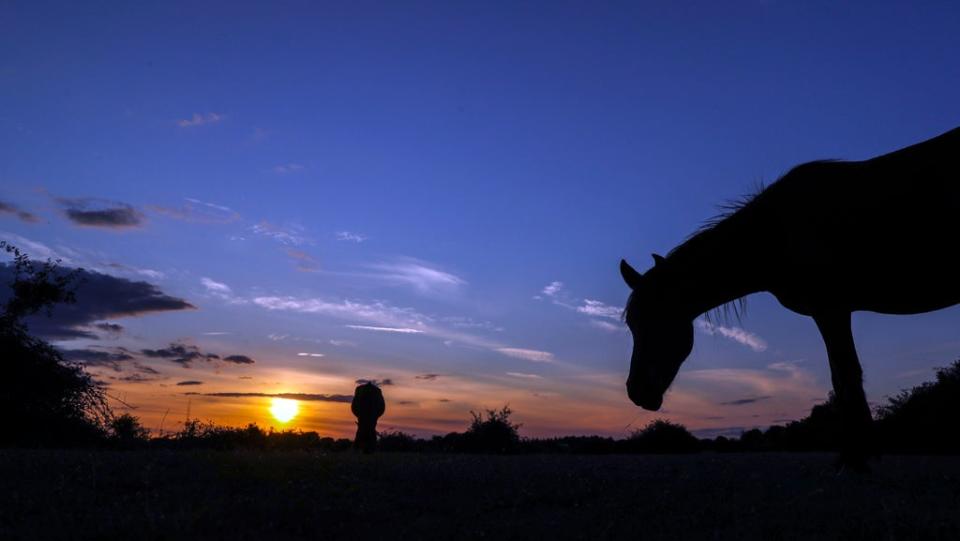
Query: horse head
(662, 335)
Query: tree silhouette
(493, 434)
(47, 400)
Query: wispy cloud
(307, 397)
(308, 354)
(524, 375)
(22, 215)
(596, 308)
(189, 383)
(221, 291)
(196, 211)
(92, 212)
(401, 330)
(292, 235)
(607, 326)
(598, 311)
(531, 355)
(736, 334)
(551, 289)
(304, 261)
(199, 119)
(745, 401)
(423, 277)
(216, 287)
(349, 236)
(287, 168)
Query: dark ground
(252, 495)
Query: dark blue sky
(435, 167)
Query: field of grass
(254, 495)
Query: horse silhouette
(367, 406)
(826, 239)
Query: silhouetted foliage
(47, 400)
(494, 433)
(924, 418)
(127, 432)
(662, 436)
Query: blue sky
(303, 172)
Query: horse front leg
(847, 376)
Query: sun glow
(284, 409)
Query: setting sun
(284, 409)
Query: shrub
(662, 436)
(494, 433)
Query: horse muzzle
(644, 399)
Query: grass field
(251, 495)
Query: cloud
(111, 329)
(552, 288)
(98, 357)
(308, 397)
(350, 236)
(182, 354)
(197, 211)
(423, 277)
(286, 168)
(238, 359)
(427, 377)
(289, 235)
(736, 334)
(596, 308)
(399, 330)
(377, 382)
(98, 297)
(36, 250)
(90, 212)
(189, 382)
(24, 216)
(745, 401)
(557, 294)
(523, 375)
(304, 261)
(342, 343)
(607, 326)
(531, 355)
(215, 287)
(127, 269)
(199, 120)
(308, 354)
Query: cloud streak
(199, 119)
(307, 397)
(531, 355)
(22, 215)
(736, 334)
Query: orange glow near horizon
(284, 409)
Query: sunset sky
(291, 196)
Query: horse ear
(630, 276)
(657, 259)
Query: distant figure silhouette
(826, 239)
(367, 407)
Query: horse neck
(715, 267)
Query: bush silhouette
(662, 436)
(48, 401)
(127, 432)
(494, 433)
(923, 419)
